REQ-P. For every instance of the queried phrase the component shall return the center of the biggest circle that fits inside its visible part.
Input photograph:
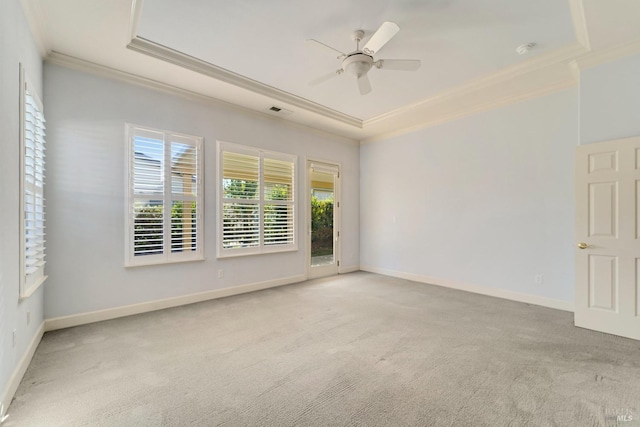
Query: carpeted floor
(358, 349)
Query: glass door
(323, 227)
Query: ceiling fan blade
(325, 48)
(326, 77)
(364, 84)
(385, 33)
(399, 64)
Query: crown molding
(74, 63)
(37, 25)
(476, 96)
(580, 23)
(462, 105)
(575, 70)
(465, 106)
(559, 56)
(134, 18)
(172, 56)
(609, 54)
(78, 64)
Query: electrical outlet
(220, 274)
(539, 279)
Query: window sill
(32, 289)
(230, 253)
(146, 263)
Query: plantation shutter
(185, 183)
(278, 205)
(325, 168)
(147, 214)
(165, 197)
(33, 190)
(240, 205)
(241, 167)
(257, 201)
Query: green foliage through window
(321, 227)
(148, 230)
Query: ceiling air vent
(279, 111)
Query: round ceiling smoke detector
(525, 48)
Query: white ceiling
(253, 53)
(456, 40)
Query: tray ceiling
(253, 54)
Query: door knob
(583, 245)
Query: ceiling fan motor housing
(357, 64)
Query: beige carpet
(359, 349)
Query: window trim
(262, 154)
(167, 256)
(27, 289)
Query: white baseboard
(348, 269)
(476, 289)
(19, 371)
(128, 310)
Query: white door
(607, 232)
(323, 219)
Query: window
(164, 197)
(257, 201)
(32, 146)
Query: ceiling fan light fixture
(357, 64)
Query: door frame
(337, 218)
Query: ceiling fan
(359, 62)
